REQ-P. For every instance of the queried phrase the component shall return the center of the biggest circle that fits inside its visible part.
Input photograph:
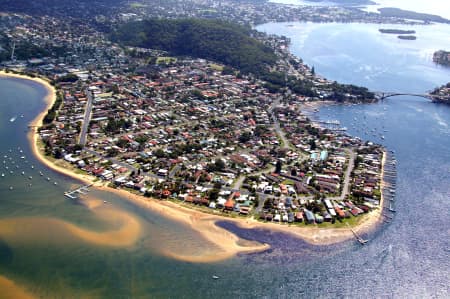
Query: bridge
(380, 95)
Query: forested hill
(216, 40)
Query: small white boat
(13, 119)
(215, 277)
(3, 174)
(55, 183)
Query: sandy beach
(203, 223)
(33, 136)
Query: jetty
(72, 194)
(358, 237)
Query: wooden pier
(72, 194)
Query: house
(309, 216)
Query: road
(87, 118)
(345, 188)
(276, 125)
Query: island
(396, 31)
(442, 57)
(407, 37)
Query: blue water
(408, 258)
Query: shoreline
(203, 223)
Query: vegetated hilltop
(230, 44)
(442, 57)
(216, 40)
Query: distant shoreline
(201, 222)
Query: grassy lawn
(288, 182)
(165, 59)
(137, 5)
(216, 67)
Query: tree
(293, 172)
(213, 194)
(278, 166)
(245, 137)
(219, 165)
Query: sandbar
(10, 290)
(125, 232)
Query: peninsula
(408, 14)
(192, 123)
(214, 138)
(444, 94)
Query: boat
(215, 277)
(3, 174)
(40, 173)
(13, 119)
(55, 183)
(30, 177)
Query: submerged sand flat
(10, 290)
(226, 243)
(40, 229)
